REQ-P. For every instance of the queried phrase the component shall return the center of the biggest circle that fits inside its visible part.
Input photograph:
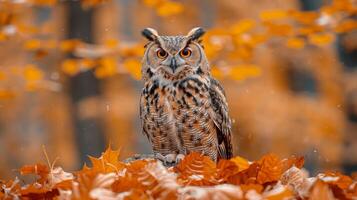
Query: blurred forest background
(70, 76)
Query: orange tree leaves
(236, 44)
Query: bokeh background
(70, 76)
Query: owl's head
(173, 57)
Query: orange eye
(186, 52)
(161, 53)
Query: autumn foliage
(238, 48)
(195, 177)
(235, 44)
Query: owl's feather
(221, 119)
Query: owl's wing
(221, 120)
(143, 112)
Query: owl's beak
(173, 64)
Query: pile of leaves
(195, 177)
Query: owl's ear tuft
(195, 33)
(150, 33)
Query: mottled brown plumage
(182, 107)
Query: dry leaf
(278, 192)
(224, 192)
(271, 169)
(196, 169)
(37, 169)
(240, 162)
(321, 190)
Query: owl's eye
(161, 53)
(186, 52)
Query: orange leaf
(32, 73)
(321, 190)
(196, 169)
(336, 178)
(279, 29)
(295, 43)
(3, 37)
(35, 192)
(7, 94)
(87, 63)
(38, 169)
(133, 67)
(64, 185)
(33, 44)
(106, 67)
(131, 178)
(69, 45)
(279, 193)
(226, 169)
(70, 67)
(273, 15)
(247, 176)
(217, 73)
(271, 169)
(44, 2)
(169, 8)
(321, 39)
(2, 76)
(244, 71)
(346, 26)
(112, 43)
(307, 18)
(152, 3)
(108, 162)
(246, 187)
(293, 161)
(242, 163)
(243, 26)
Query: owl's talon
(170, 158)
(179, 158)
(160, 157)
(173, 159)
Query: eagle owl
(182, 107)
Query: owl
(183, 108)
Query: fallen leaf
(197, 169)
(321, 190)
(271, 169)
(242, 163)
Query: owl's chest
(176, 103)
